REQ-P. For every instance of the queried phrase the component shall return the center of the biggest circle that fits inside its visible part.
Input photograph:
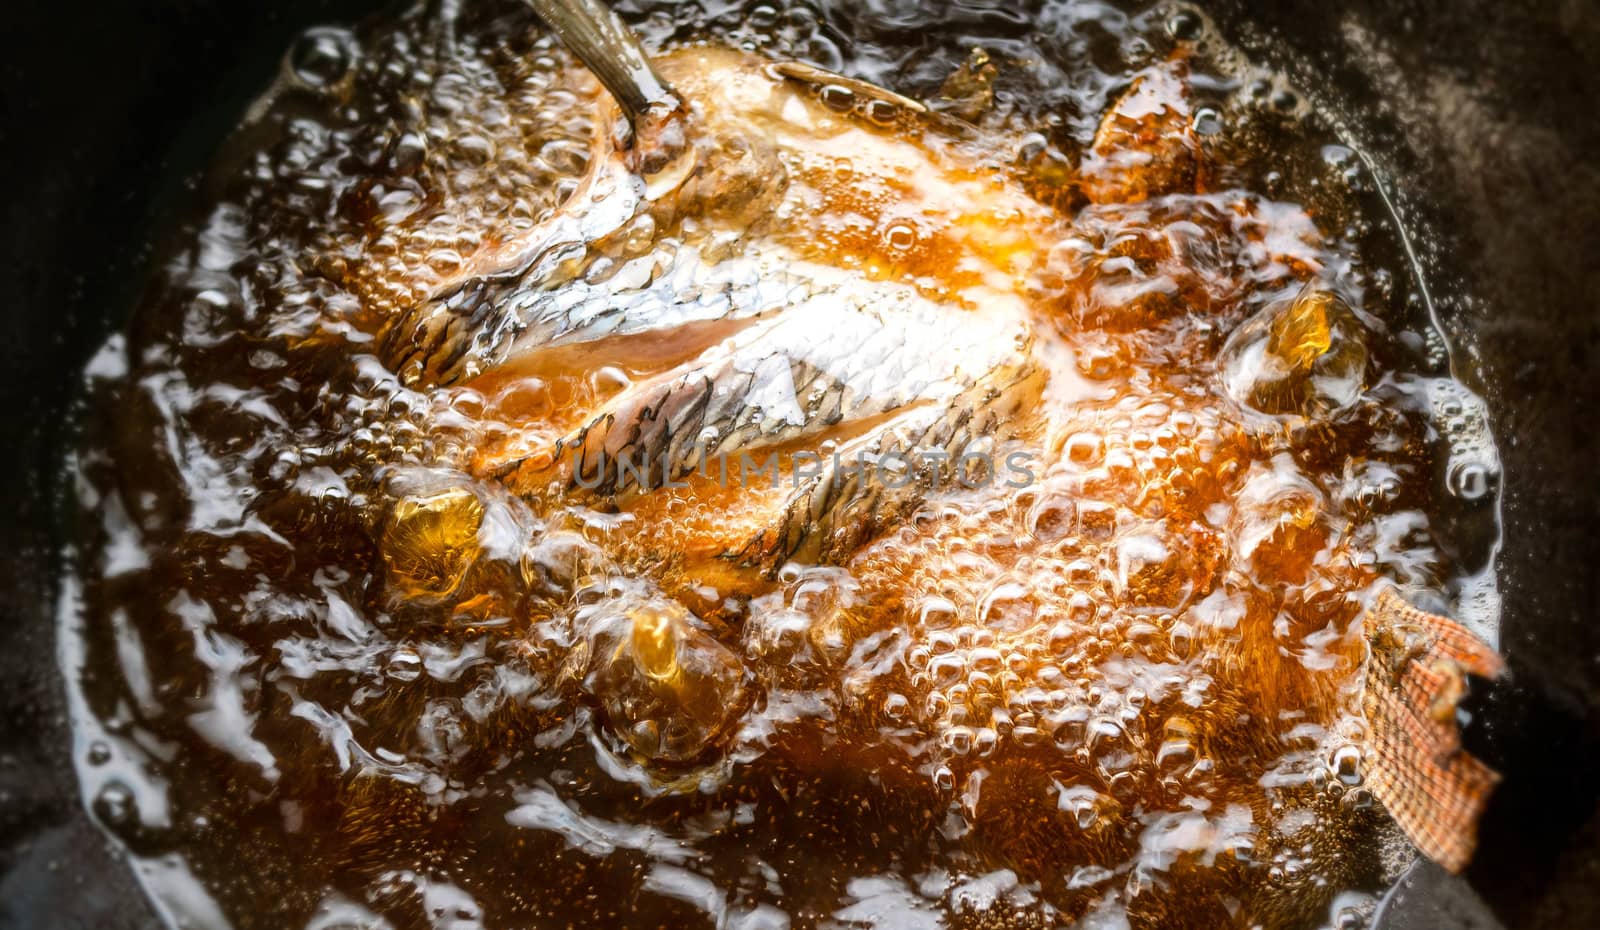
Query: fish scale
(828, 361)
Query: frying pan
(1483, 115)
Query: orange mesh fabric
(1431, 787)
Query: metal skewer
(605, 44)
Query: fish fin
(820, 78)
(868, 103)
(1416, 673)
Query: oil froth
(356, 605)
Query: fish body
(782, 289)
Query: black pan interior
(1484, 113)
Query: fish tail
(1416, 672)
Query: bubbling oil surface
(329, 672)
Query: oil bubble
(322, 57)
(1346, 765)
(901, 237)
(1471, 481)
(1185, 25)
(116, 807)
(99, 753)
(837, 97)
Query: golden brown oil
(334, 667)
